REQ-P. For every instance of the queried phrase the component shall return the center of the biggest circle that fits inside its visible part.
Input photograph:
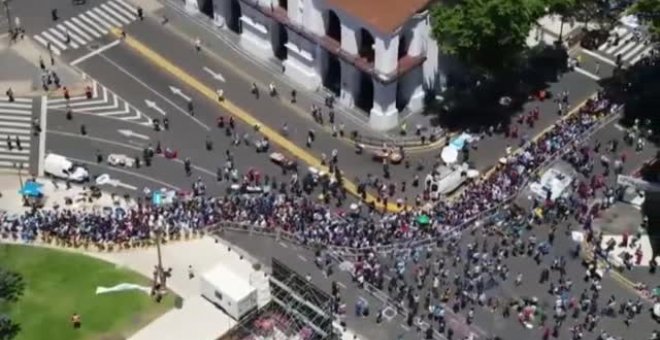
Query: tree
(11, 289)
(11, 286)
(487, 34)
(8, 328)
(648, 12)
(565, 9)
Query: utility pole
(161, 270)
(8, 14)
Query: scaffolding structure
(298, 311)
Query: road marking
(302, 258)
(586, 73)
(128, 146)
(92, 23)
(284, 245)
(177, 91)
(340, 284)
(54, 40)
(107, 17)
(63, 38)
(122, 10)
(238, 112)
(130, 173)
(82, 29)
(78, 30)
(145, 85)
(42, 136)
(152, 105)
(95, 52)
(73, 36)
(215, 75)
(121, 18)
(598, 56)
(130, 133)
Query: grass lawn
(59, 283)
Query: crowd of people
(292, 207)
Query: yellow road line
(538, 136)
(241, 114)
(301, 112)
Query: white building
(377, 55)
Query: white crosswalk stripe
(15, 133)
(91, 22)
(630, 46)
(72, 34)
(114, 13)
(62, 37)
(85, 27)
(105, 104)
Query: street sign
(638, 183)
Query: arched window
(366, 49)
(333, 27)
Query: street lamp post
(5, 3)
(160, 270)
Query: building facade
(376, 55)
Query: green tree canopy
(11, 286)
(486, 34)
(648, 12)
(8, 328)
(11, 289)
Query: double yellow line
(241, 114)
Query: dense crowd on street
(288, 208)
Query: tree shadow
(473, 102)
(638, 88)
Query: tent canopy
(31, 189)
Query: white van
(60, 167)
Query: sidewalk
(55, 193)
(24, 75)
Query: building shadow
(638, 88)
(475, 102)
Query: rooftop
(383, 15)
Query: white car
(116, 159)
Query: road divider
(299, 152)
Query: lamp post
(5, 3)
(160, 270)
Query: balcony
(331, 45)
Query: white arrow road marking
(178, 92)
(118, 183)
(84, 103)
(215, 75)
(130, 133)
(152, 105)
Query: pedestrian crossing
(626, 43)
(15, 133)
(104, 103)
(84, 28)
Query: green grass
(59, 283)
